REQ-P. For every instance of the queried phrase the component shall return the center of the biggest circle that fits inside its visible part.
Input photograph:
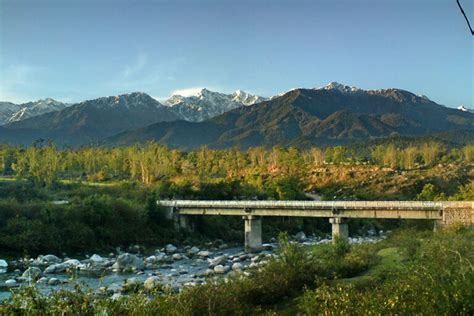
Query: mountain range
(333, 114)
(11, 112)
(208, 104)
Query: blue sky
(74, 50)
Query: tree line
(45, 164)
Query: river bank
(171, 267)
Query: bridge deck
(346, 209)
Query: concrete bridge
(338, 212)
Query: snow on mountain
(7, 110)
(10, 112)
(465, 109)
(339, 87)
(39, 107)
(207, 104)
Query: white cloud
(187, 92)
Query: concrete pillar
(339, 228)
(169, 213)
(439, 225)
(184, 223)
(253, 233)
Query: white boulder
(128, 261)
(152, 283)
(219, 269)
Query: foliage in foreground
(435, 277)
(437, 280)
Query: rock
(267, 246)
(193, 251)
(217, 261)
(53, 281)
(170, 248)
(49, 259)
(11, 283)
(219, 269)
(243, 257)
(208, 272)
(152, 260)
(56, 268)
(301, 236)
(96, 259)
(3, 266)
(42, 280)
(204, 253)
(177, 256)
(115, 288)
(237, 266)
(32, 273)
(128, 261)
(152, 283)
(73, 263)
(116, 296)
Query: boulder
(42, 280)
(56, 268)
(32, 273)
(268, 247)
(170, 248)
(219, 269)
(96, 259)
(193, 251)
(11, 283)
(217, 261)
(72, 263)
(3, 265)
(301, 236)
(237, 266)
(128, 261)
(152, 283)
(204, 253)
(177, 256)
(53, 281)
(116, 296)
(48, 259)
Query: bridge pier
(180, 221)
(253, 233)
(340, 229)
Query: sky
(73, 50)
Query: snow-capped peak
(464, 109)
(23, 111)
(339, 87)
(206, 104)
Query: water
(174, 274)
(171, 274)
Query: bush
(438, 280)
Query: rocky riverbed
(171, 266)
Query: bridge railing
(319, 205)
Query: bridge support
(180, 221)
(253, 233)
(340, 228)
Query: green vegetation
(112, 192)
(409, 273)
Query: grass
(388, 260)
